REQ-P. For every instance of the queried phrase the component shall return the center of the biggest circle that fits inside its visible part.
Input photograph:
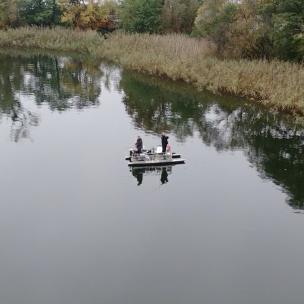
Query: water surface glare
(77, 226)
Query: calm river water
(77, 226)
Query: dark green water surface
(77, 226)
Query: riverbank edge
(278, 85)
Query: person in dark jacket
(164, 140)
(139, 144)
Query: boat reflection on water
(162, 171)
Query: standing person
(139, 144)
(164, 140)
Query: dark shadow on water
(161, 172)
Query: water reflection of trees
(273, 144)
(60, 82)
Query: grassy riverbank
(278, 84)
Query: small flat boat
(149, 158)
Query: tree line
(238, 28)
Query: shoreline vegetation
(277, 84)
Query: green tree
(213, 21)
(141, 15)
(286, 24)
(254, 28)
(248, 31)
(179, 15)
(39, 12)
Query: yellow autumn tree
(248, 30)
(92, 15)
(8, 13)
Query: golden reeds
(57, 39)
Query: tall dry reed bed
(55, 39)
(278, 84)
